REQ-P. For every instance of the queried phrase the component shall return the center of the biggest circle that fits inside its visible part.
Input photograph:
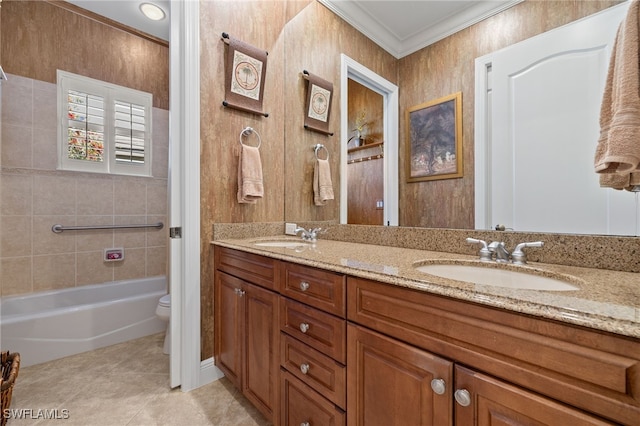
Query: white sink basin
(286, 244)
(499, 275)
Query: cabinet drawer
(317, 370)
(317, 329)
(321, 289)
(250, 267)
(303, 405)
(591, 370)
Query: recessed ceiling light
(152, 11)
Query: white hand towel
(250, 186)
(322, 186)
(617, 156)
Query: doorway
(352, 70)
(365, 150)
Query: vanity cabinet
(246, 346)
(508, 368)
(313, 346)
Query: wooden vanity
(332, 345)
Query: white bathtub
(54, 324)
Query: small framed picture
(434, 143)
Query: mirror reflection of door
(365, 160)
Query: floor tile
(123, 385)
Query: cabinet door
(390, 383)
(261, 349)
(228, 326)
(483, 400)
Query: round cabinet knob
(438, 386)
(304, 286)
(463, 397)
(304, 368)
(304, 327)
(305, 424)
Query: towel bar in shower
(59, 228)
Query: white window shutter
(104, 128)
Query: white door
(536, 142)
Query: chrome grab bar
(59, 228)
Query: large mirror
(453, 203)
(537, 127)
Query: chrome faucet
(501, 252)
(308, 235)
(502, 255)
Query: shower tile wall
(34, 196)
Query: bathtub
(54, 324)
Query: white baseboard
(209, 372)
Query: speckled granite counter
(606, 300)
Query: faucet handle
(485, 254)
(520, 257)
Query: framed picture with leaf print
(434, 145)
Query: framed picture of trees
(434, 146)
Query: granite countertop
(605, 300)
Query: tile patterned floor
(123, 385)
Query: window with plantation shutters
(129, 132)
(103, 127)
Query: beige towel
(618, 152)
(322, 186)
(250, 186)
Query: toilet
(163, 312)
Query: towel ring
(248, 131)
(317, 148)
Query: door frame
(184, 150)
(351, 69)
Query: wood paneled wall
(39, 37)
(299, 35)
(447, 67)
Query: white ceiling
(401, 27)
(128, 12)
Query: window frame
(110, 93)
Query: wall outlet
(290, 228)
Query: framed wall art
(318, 103)
(434, 145)
(245, 70)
